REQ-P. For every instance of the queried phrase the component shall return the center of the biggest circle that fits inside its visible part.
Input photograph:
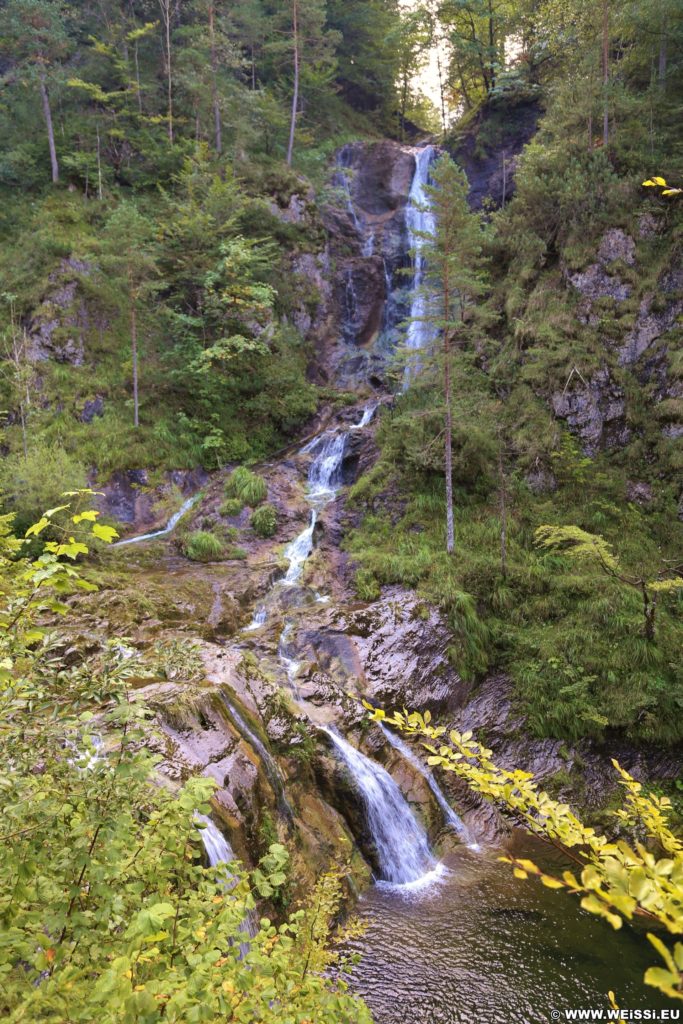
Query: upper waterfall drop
(403, 852)
(421, 224)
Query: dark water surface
(481, 947)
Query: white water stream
(421, 224)
(170, 525)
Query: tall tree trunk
(217, 123)
(47, 114)
(134, 351)
(492, 45)
(448, 443)
(605, 72)
(502, 491)
(295, 94)
(661, 68)
(165, 6)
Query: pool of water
(478, 946)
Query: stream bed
(478, 946)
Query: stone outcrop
(58, 328)
(595, 410)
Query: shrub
(247, 486)
(264, 521)
(202, 546)
(235, 552)
(231, 507)
(28, 485)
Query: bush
(27, 486)
(264, 521)
(247, 486)
(231, 507)
(202, 546)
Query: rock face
(59, 326)
(489, 150)
(402, 644)
(595, 411)
(367, 229)
(652, 322)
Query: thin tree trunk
(295, 94)
(441, 89)
(661, 69)
(605, 72)
(492, 46)
(253, 71)
(137, 77)
(134, 353)
(47, 113)
(218, 127)
(165, 6)
(448, 452)
(99, 165)
(503, 514)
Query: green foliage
(247, 486)
(264, 521)
(616, 881)
(231, 507)
(203, 546)
(30, 484)
(107, 909)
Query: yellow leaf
(659, 181)
(551, 883)
(518, 873)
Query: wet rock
(92, 408)
(595, 411)
(402, 644)
(491, 165)
(648, 226)
(226, 616)
(639, 492)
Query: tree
(18, 369)
(616, 881)
(456, 277)
(35, 40)
(309, 46)
(580, 544)
(167, 11)
(127, 256)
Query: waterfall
(284, 653)
(324, 475)
(298, 551)
(420, 222)
(403, 852)
(220, 852)
(218, 849)
(450, 817)
(269, 766)
(368, 412)
(170, 525)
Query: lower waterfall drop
(403, 853)
(450, 817)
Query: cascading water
(218, 849)
(420, 222)
(403, 854)
(170, 525)
(220, 852)
(269, 766)
(450, 817)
